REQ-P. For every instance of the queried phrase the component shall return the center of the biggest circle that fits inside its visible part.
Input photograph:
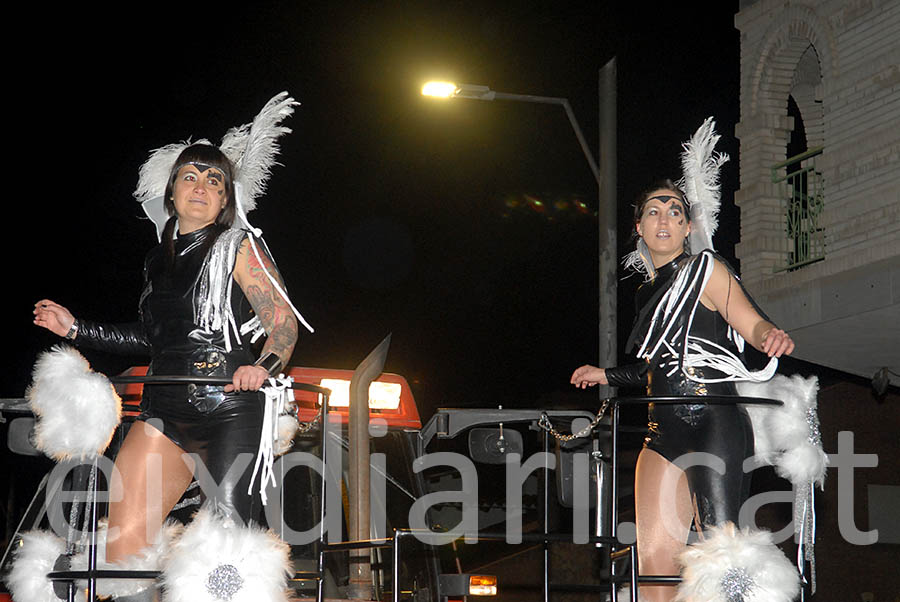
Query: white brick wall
(857, 43)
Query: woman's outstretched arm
(273, 311)
(725, 295)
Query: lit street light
(607, 355)
(608, 260)
(607, 210)
(450, 90)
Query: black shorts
(219, 437)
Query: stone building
(820, 241)
(820, 175)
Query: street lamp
(607, 315)
(607, 210)
(437, 89)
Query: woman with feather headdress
(693, 318)
(195, 322)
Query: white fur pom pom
(788, 436)
(148, 559)
(805, 463)
(35, 556)
(77, 409)
(732, 565)
(217, 560)
(287, 430)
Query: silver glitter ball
(224, 581)
(736, 584)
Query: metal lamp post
(606, 185)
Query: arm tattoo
(274, 313)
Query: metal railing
(803, 198)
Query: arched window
(802, 185)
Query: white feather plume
(640, 261)
(35, 556)
(77, 409)
(153, 175)
(700, 181)
(253, 147)
(769, 575)
(211, 541)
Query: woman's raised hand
(588, 376)
(52, 316)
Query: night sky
(392, 213)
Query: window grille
(802, 191)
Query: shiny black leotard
(718, 437)
(220, 428)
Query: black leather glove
(126, 339)
(629, 375)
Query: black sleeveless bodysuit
(708, 441)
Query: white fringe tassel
(278, 395)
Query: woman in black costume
(672, 489)
(183, 428)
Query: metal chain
(545, 424)
(304, 427)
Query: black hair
(203, 154)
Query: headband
(700, 166)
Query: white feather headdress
(252, 148)
(700, 166)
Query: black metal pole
(546, 545)
(614, 488)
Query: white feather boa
(77, 409)
(732, 565)
(35, 556)
(215, 559)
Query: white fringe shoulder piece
(670, 335)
